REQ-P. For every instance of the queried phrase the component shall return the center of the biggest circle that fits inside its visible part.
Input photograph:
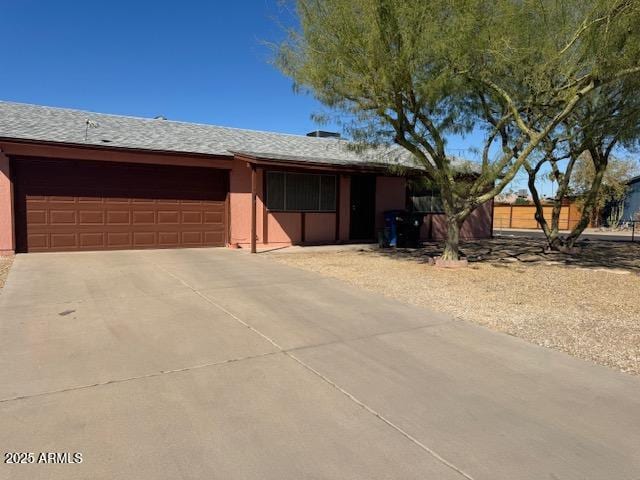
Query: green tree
(521, 201)
(614, 181)
(412, 72)
(579, 155)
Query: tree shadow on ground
(531, 251)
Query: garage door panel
(213, 218)
(61, 241)
(62, 217)
(144, 217)
(37, 217)
(214, 237)
(92, 241)
(117, 201)
(144, 239)
(118, 217)
(192, 238)
(91, 217)
(191, 217)
(168, 217)
(61, 199)
(168, 239)
(119, 239)
(38, 241)
(77, 205)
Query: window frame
(286, 174)
(433, 196)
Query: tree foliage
(578, 154)
(614, 182)
(411, 73)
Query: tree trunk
(452, 243)
(554, 240)
(552, 234)
(539, 214)
(590, 201)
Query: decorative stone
(509, 259)
(529, 258)
(571, 251)
(462, 263)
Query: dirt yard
(5, 265)
(587, 305)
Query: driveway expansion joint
(373, 335)
(137, 377)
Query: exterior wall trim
(306, 166)
(81, 152)
(7, 214)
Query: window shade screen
(427, 204)
(328, 192)
(275, 190)
(301, 192)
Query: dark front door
(363, 207)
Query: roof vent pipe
(323, 134)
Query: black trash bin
(408, 229)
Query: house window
(429, 203)
(423, 195)
(300, 192)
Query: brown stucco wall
(240, 203)
(320, 227)
(282, 228)
(476, 226)
(390, 195)
(272, 228)
(286, 228)
(7, 246)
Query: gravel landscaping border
(5, 266)
(587, 305)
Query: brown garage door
(66, 205)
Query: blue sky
(200, 61)
(197, 61)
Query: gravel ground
(5, 265)
(591, 312)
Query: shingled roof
(77, 127)
(67, 126)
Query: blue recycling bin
(391, 226)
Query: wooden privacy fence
(523, 216)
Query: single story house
(77, 180)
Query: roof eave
(106, 147)
(347, 168)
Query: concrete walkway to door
(211, 363)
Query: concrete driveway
(191, 364)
